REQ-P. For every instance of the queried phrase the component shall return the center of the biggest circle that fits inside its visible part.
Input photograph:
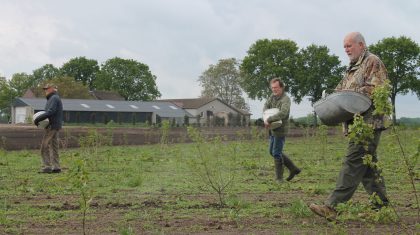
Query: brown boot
(324, 211)
(279, 168)
(293, 169)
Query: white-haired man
(365, 72)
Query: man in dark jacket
(49, 146)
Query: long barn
(102, 111)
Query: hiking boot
(324, 211)
(45, 171)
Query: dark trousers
(354, 172)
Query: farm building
(102, 111)
(212, 111)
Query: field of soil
(208, 186)
(19, 137)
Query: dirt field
(19, 137)
(153, 190)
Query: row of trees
(306, 72)
(131, 79)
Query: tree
(268, 59)
(68, 88)
(401, 57)
(6, 97)
(81, 69)
(318, 71)
(131, 79)
(20, 82)
(223, 81)
(46, 72)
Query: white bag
(270, 112)
(42, 124)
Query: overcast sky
(179, 39)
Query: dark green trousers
(354, 172)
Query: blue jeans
(276, 146)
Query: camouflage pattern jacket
(283, 104)
(363, 76)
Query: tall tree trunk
(394, 116)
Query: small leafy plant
(208, 164)
(299, 209)
(383, 106)
(79, 178)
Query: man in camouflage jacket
(365, 72)
(280, 101)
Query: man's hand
(36, 122)
(266, 124)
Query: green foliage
(322, 134)
(208, 164)
(6, 96)
(410, 163)
(46, 72)
(318, 71)
(267, 59)
(20, 82)
(360, 132)
(131, 79)
(401, 57)
(308, 121)
(126, 231)
(236, 205)
(315, 189)
(299, 209)
(164, 131)
(223, 81)
(91, 140)
(81, 69)
(79, 178)
(414, 122)
(381, 101)
(68, 88)
(354, 211)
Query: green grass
(156, 189)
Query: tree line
(131, 79)
(306, 72)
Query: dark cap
(48, 85)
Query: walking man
(49, 145)
(281, 101)
(365, 72)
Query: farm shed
(205, 110)
(101, 111)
